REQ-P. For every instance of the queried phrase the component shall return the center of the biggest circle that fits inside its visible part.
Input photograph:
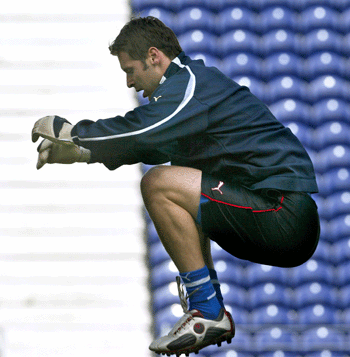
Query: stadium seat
(323, 337)
(325, 63)
(165, 319)
(318, 314)
(260, 5)
(241, 64)
(229, 272)
(165, 296)
(236, 17)
(338, 228)
(157, 254)
(238, 41)
(334, 181)
(208, 59)
(341, 251)
(234, 296)
(276, 338)
(256, 86)
(318, 17)
(337, 204)
(332, 157)
(277, 17)
(328, 86)
(140, 5)
(163, 274)
(324, 253)
(260, 274)
(286, 87)
(343, 301)
(324, 353)
(199, 41)
(279, 40)
(291, 110)
(329, 110)
(313, 293)
(162, 14)
(195, 18)
(312, 271)
(341, 274)
(269, 293)
(344, 24)
(303, 132)
(331, 133)
(321, 40)
(240, 315)
(282, 64)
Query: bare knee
(153, 182)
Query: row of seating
(254, 5)
(241, 17)
(277, 40)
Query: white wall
(72, 257)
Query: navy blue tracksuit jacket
(199, 118)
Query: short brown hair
(141, 33)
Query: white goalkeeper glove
(52, 153)
(53, 128)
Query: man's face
(140, 75)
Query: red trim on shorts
(254, 211)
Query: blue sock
(204, 299)
(216, 285)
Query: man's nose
(129, 81)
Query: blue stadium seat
(238, 41)
(323, 337)
(162, 14)
(334, 181)
(269, 293)
(313, 293)
(259, 274)
(340, 5)
(318, 17)
(344, 24)
(236, 17)
(140, 5)
(325, 87)
(195, 18)
(277, 17)
(318, 314)
(284, 87)
(165, 319)
(337, 204)
(279, 40)
(164, 273)
(330, 110)
(240, 315)
(324, 253)
(282, 64)
(332, 157)
(199, 41)
(234, 296)
(229, 272)
(272, 314)
(312, 271)
(165, 296)
(324, 353)
(256, 86)
(241, 64)
(157, 254)
(303, 132)
(325, 63)
(153, 235)
(260, 5)
(341, 275)
(276, 338)
(231, 353)
(291, 110)
(321, 40)
(208, 59)
(343, 301)
(331, 133)
(279, 353)
(341, 251)
(338, 228)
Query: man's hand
(52, 153)
(53, 128)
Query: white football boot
(193, 332)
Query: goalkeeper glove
(53, 128)
(52, 153)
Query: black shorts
(268, 226)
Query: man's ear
(154, 55)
